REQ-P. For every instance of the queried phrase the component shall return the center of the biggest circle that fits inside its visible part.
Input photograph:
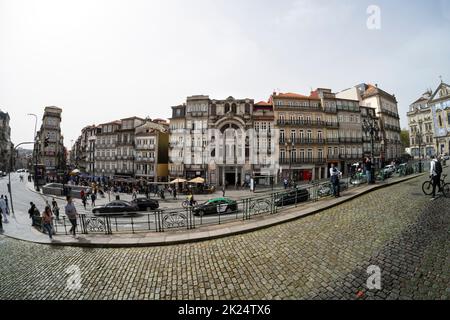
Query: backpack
(438, 167)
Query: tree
(404, 137)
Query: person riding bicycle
(191, 199)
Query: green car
(216, 206)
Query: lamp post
(419, 139)
(370, 127)
(36, 147)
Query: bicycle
(187, 203)
(427, 187)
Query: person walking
(369, 171)
(93, 198)
(174, 192)
(7, 204)
(435, 175)
(134, 196)
(72, 214)
(55, 208)
(3, 208)
(84, 201)
(335, 175)
(223, 190)
(33, 212)
(47, 220)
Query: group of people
(50, 212)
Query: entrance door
(230, 178)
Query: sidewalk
(20, 228)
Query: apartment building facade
(152, 158)
(439, 104)
(421, 127)
(386, 108)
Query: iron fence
(244, 209)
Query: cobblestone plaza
(323, 256)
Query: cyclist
(435, 174)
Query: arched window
(233, 108)
(440, 121)
(213, 110)
(227, 108)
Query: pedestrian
(162, 194)
(33, 212)
(435, 175)
(7, 205)
(82, 193)
(93, 198)
(335, 175)
(71, 213)
(285, 181)
(223, 190)
(134, 194)
(55, 208)
(156, 190)
(3, 208)
(147, 193)
(84, 201)
(369, 171)
(47, 219)
(174, 192)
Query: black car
(145, 204)
(116, 207)
(292, 197)
(214, 206)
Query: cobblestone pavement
(323, 256)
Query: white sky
(101, 60)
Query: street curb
(243, 230)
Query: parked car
(116, 207)
(292, 197)
(388, 170)
(145, 204)
(217, 205)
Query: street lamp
(370, 127)
(36, 145)
(419, 139)
(289, 152)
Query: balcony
(125, 143)
(352, 156)
(145, 159)
(390, 113)
(351, 140)
(295, 161)
(146, 147)
(392, 128)
(306, 141)
(131, 158)
(306, 123)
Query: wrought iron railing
(270, 203)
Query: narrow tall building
(49, 146)
(439, 103)
(386, 108)
(5, 141)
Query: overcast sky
(102, 60)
